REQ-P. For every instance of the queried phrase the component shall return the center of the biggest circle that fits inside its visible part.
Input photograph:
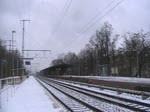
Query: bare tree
(104, 43)
(6, 61)
(136, 46)
(100, 56)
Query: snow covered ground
(29, 96)
(118, 79)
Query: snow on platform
(29, 97)
(117, 79)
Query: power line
(67, 43)
(62, 12)
(96, 16)
(84, 30)
(60, 19)
(93, 19)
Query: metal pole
(13, 54)
(23, 46)
(23, 40)
(17, 67)
(9, 45)
(23, 30)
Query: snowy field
(28, 97)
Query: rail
(98, 96)
(143, 94)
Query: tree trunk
(130, 67)
(140, 71)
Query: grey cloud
(131, 15)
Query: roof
(62, 66)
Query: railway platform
(140, 84)
(29, 96)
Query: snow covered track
(133, 93)
(68, 101)
(97, 100)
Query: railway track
(67, 101)
(83, 99)
(133, 93)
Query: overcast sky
(130, 15)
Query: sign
(27, 63)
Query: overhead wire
(60, 16)
(60, 19)
(85, 29)
(91, 21)
(29, 16)
(82, 31)
(96, 16)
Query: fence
(9, 82)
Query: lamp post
(13, 52)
